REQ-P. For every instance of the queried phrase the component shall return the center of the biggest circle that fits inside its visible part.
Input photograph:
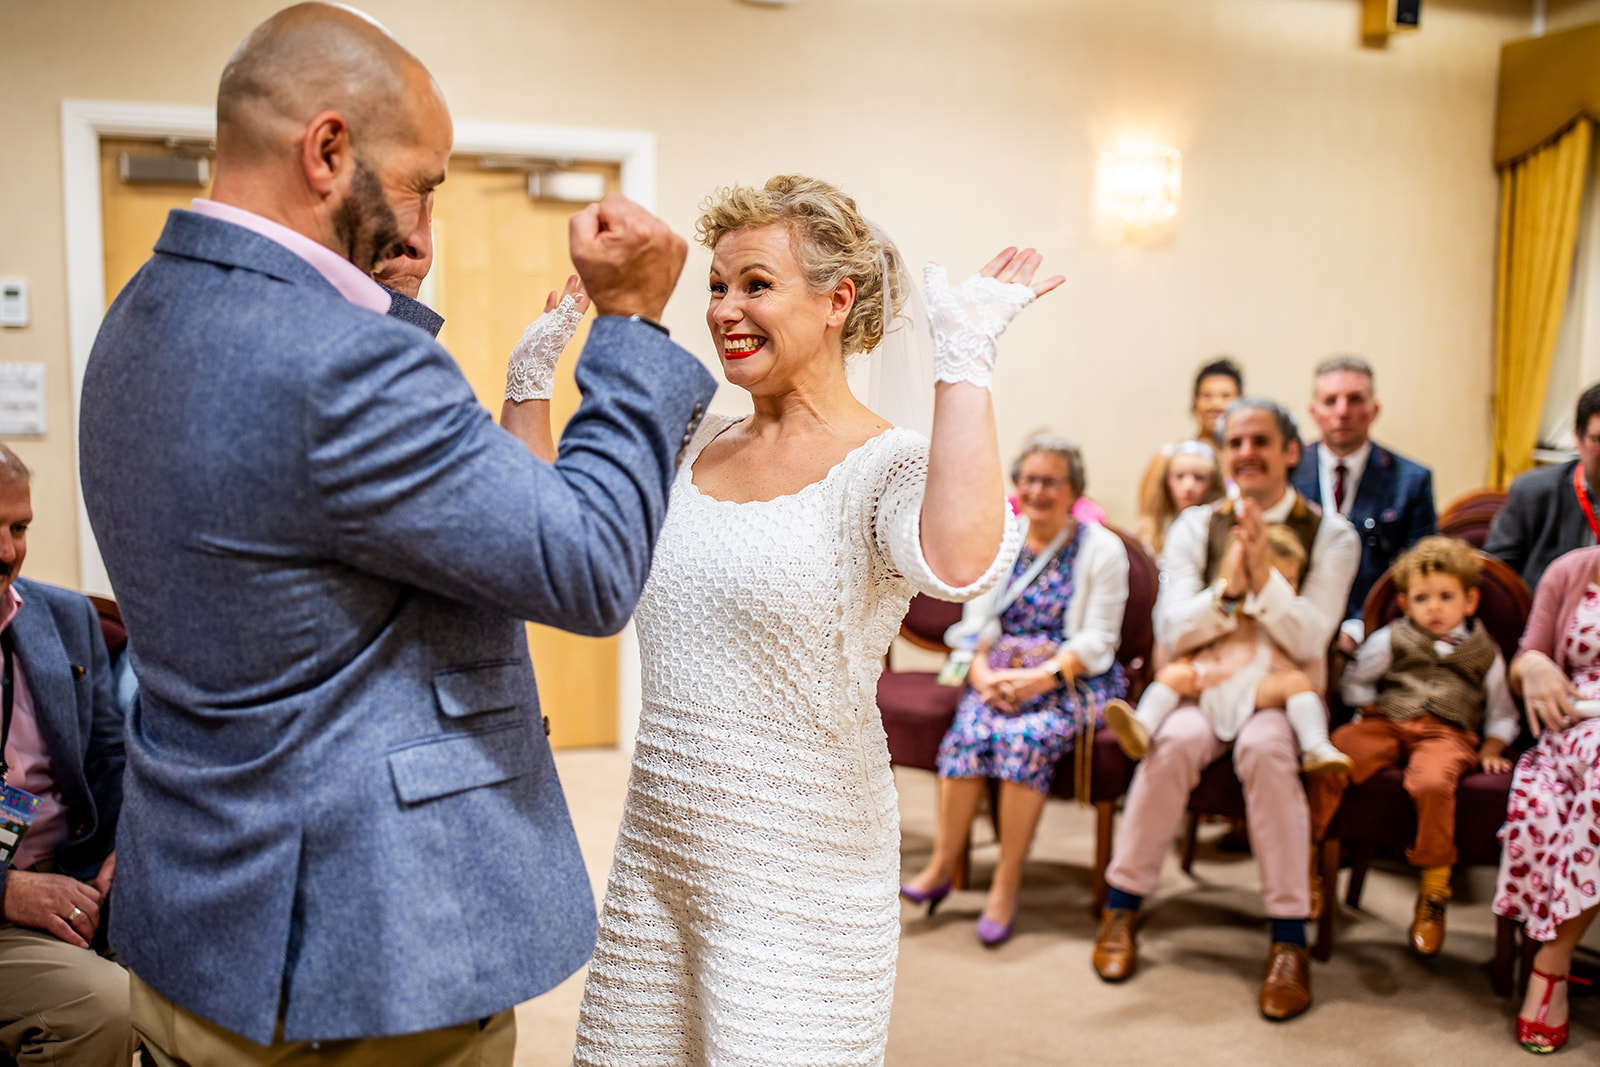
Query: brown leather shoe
(1286, 990)
(1114, 953)
(1427, 925)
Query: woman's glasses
(1050, 483)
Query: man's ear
(326, 155)
(1292, 449)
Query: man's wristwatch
(1063, 679)
(1228, 605)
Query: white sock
(1309, 720)
(1156, 704)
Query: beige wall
(1336, 198)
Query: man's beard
(365, 223)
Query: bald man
(344, 836)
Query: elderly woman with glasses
(1043, 667)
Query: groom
(342, 820)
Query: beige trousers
(61, 1004)
(174, 1037)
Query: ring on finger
(77, 913)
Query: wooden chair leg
(1530, 949)
(1360, 858)
(1501, 978)
(1189, 836)
(1328, 862)
(1105, 812)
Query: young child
(1426, 684)
(1235, 675)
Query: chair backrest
(926, 621)
(1469, 516)
(111, 627)
(1138, 628)
(1503, 603)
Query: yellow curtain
(1540, 195)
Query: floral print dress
(1550, 866)
(983, 742)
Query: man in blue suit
(1386, 497)
(61, 735)
(343, 822)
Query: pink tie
(1339, 473)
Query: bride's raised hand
(574, 289)
(1018, 268)
(968, 319)
(531, 372)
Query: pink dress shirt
(29, 761)
(343, 275)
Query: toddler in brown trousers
(1426, 684)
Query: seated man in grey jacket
(1552, 510)
(63, 1002)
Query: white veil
(900, 383)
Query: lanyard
(1036, 568)
(7, 679)
(1583, 499)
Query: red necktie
(1339, 473)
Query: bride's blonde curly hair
(831, 242)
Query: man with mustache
(1201, 599)
(61, 735)
(345, 834)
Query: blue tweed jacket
(63, 657)
(1392, 510)
(340, 803)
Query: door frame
(85, 122)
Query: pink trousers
(1268, 764)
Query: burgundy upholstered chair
(1377, 817)
(111, 627)
(916, 709)
(1470, 515)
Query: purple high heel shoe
(931, 897)
(994, 934)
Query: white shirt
(1372, 662)
(1302, 624)
(1092, 622)
(1355, 465)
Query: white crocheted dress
(751, 915)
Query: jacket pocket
(483, 687)
(456, 763)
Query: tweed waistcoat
(1303, 520)
(1449, 687)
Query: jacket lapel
(1307, 478)
(194, 236)
(44, 661)
(1374, 488)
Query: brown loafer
(1132, 737)
(1114, 953)
(1427, 926)
(1286, 990)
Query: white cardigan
(1093, 618)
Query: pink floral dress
(1550, 866)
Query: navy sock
(1128, 902)
(1289, 931)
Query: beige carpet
(1035, 1000)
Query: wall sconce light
(1137, 187)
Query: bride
(751, 914)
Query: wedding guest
(1551, 510)
(1200, 600)
(1429, 686)
(64, 1000)
(1044, 667)
(1216, 385)
(1387, 497)
(1188, 476)
(1550, 868)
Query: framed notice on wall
(21, 399)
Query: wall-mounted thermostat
(13, 302)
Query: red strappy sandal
(1535, 1036)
